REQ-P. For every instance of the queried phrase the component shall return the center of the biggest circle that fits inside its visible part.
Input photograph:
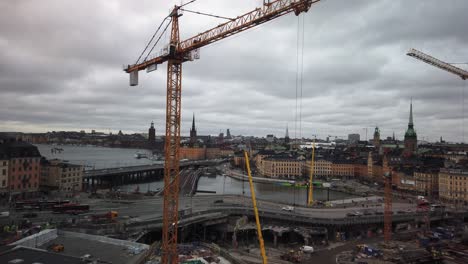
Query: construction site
(408, 236)
(381, 217)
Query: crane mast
(176, 53)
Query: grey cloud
(60, 68)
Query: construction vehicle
(307, 249)
(292, 256)
(176, 53)
(57, 248)
(107, 217)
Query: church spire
(193, 122)
(287, 131)
(410, 124)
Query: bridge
(109, 177)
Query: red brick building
(24, 168)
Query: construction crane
(254, 204)
(388, 207)
(176, 53)
(438, 63)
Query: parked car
(288, 208)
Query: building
(427, 182)
(322, 168)
(281, 167)
(453, 184)
(24, 167)
(411, 139)
(199, 153)
(152, 135)
(353, 138)
(376, 140)
(193, 133)
(62, 176)
(228, 134)
(374, 168)
(4, 161)
(270, 138)
(342, 168)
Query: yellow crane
(310, 199)
(254, 203)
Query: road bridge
(109, 177)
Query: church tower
(411, 139)
(286, 137)
(152, 135)
(193, 133)
(377, 138)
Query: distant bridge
(135, 174)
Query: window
(3, 183)
(4, 172)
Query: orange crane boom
(175, 54)
(249, 20)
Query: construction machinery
(438, 63)
(176, 53)
(310, 199)
(105, 218)
(292, 256)
(254, 204)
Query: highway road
(147, 209)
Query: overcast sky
(61, 68)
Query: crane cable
(302, 73)
(297, 77)
(160, 36)
(151, 40)
(206, 14)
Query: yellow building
(453, 184)
(62, 176)
(322, 168)
(427, 183)
(276, 167)
(374, 169)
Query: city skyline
(353, 79)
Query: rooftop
(32, 255)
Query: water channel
(101, 157)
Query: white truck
(307, 249)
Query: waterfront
(267, 191)
(94, 157)
(102, 157)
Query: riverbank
(242, 177)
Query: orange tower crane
(176, 53)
